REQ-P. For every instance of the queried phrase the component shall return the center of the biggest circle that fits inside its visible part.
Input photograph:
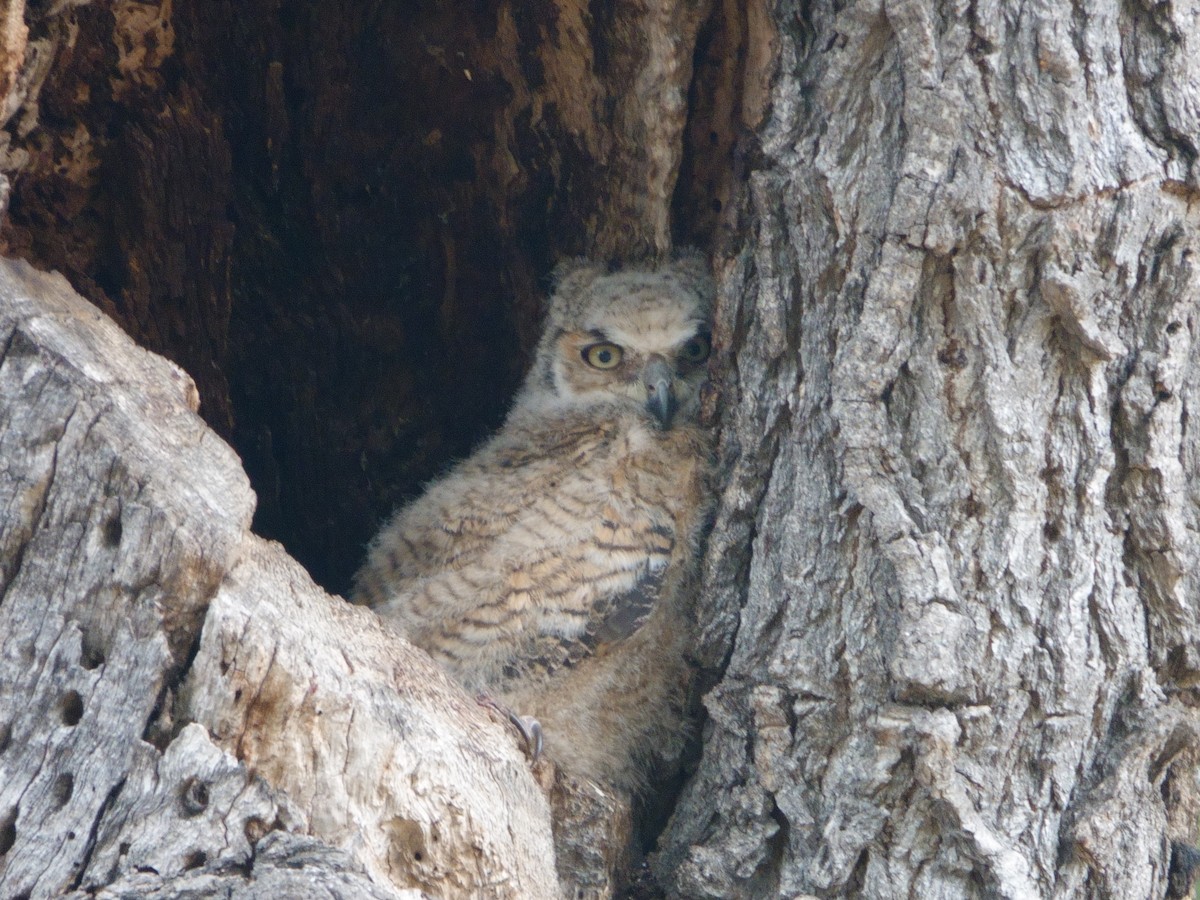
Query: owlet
(555, 569)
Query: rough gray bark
(963, 317)
(125, 522)
(191, 822)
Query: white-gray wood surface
(316, 736)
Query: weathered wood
(124, 520)
(191, 822)
(963, 318)
(121, 513)
(376, 749)
(284, 865)
(593, 837)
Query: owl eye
(696, 350)
(602, 356)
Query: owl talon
(531, 731)
(529, 727)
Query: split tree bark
(950, 612)
(961, 329)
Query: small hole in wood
(113, 531)
(195, 859)
(123, 848)
(194, 797)
(5, 736)
(64, 787)
(1174, 327)
(8, 830)
(418, 856)
(92, 655)
(70, 835)
(71, 708)
(255, 829)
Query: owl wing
(460, 518)
(614, 618)
(574, 567)
(545, 593)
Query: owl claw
(531, 731)
(529, 727)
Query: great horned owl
(554, 569)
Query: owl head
(637, 338)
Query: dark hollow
(64, 787)
(8, 831)
(71, 708)
(304, 206)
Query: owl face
(637, 339)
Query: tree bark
(963, 326)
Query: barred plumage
(555, 568)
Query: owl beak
(660, 390)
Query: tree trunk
(961, 464)
(950, 633)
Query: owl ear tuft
(573, 276)
(571, 281)
(691, 267)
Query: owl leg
(529, 727)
